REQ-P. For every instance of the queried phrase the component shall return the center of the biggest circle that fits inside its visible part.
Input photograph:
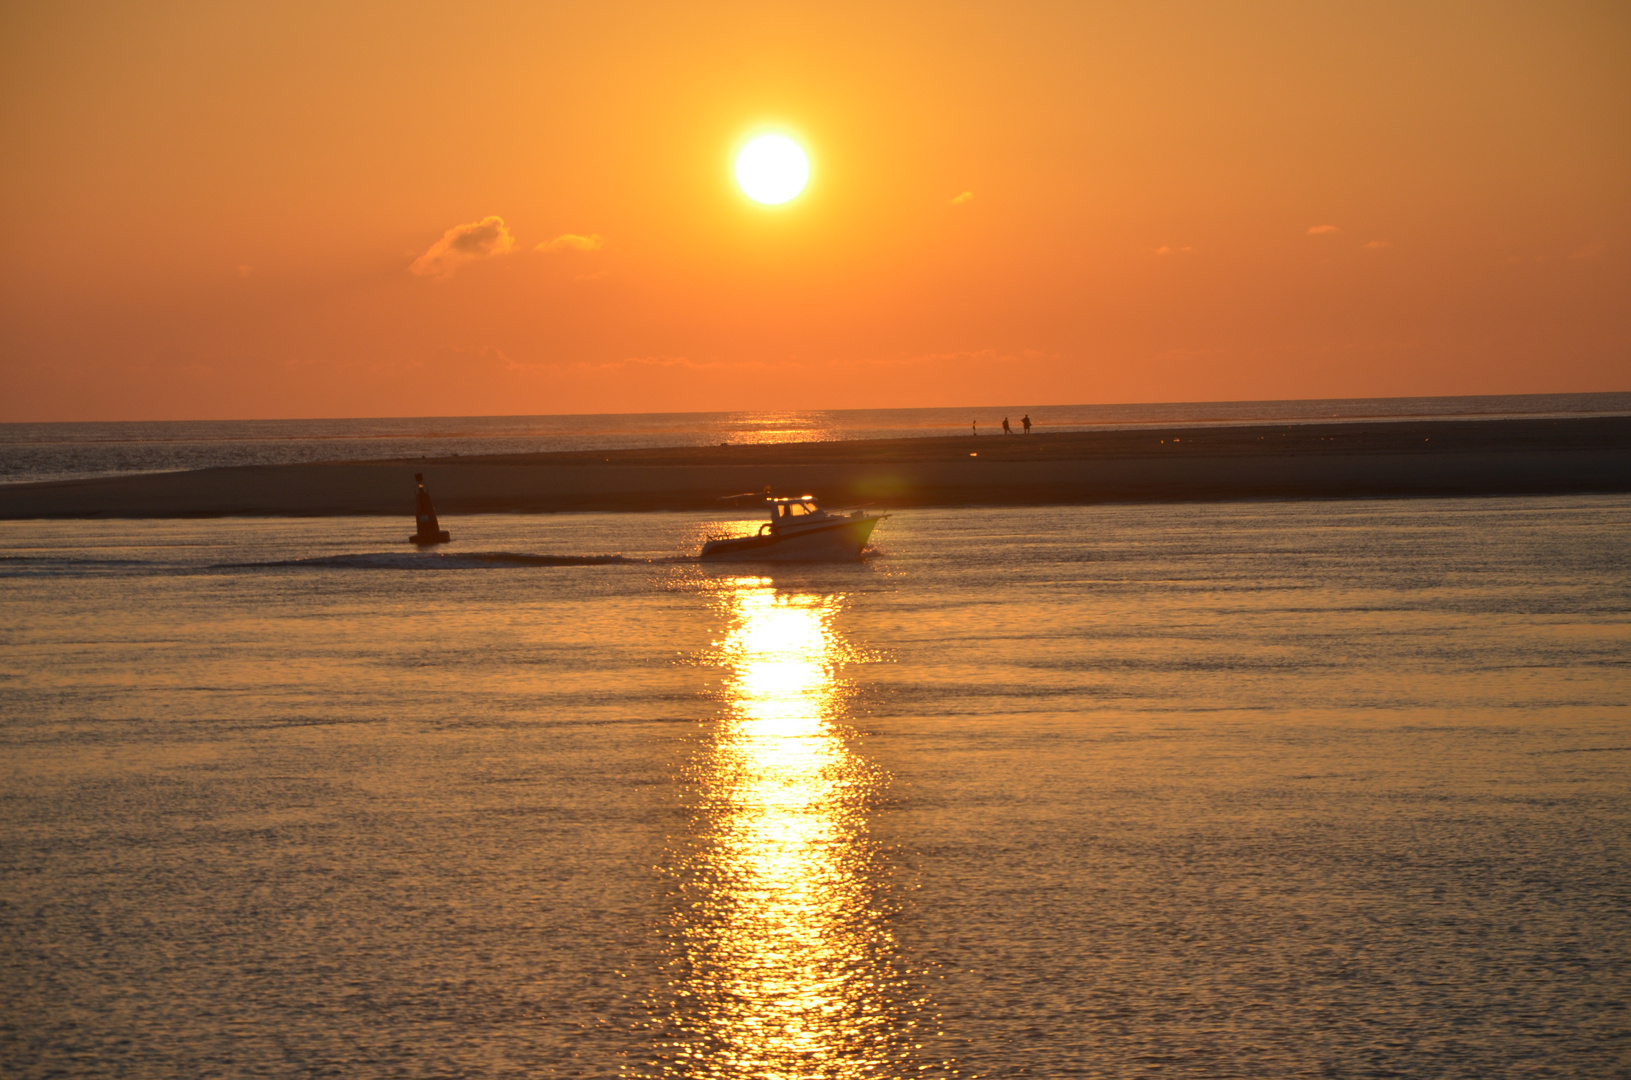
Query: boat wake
(37, 566)
(435, 560)
(72, 566)
(486, 560)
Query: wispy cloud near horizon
(1322, 230)
(462, 244)
(961, 200)
(571, 242)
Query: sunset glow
(815, 541)
(233, 211)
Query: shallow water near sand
(1337, 789)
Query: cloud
(245, 270)
(571, 242)
(465, 243)
(961, 200)
(1165, 249)
(1378, 244)
(1322, 230)
(1590, 251)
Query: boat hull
(840, 541)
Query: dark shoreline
(1372, 459)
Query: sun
(772, 169)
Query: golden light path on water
(787, 965)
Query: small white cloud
(465, 243)
(571, 242)
(1377, 245)
(1165, 249)
(961, 200)
(1322, 230)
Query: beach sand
(1345, 460)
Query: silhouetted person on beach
(1006, 430)
(1026, 421)
(976, 427)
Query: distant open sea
(65, 451)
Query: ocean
(1336, 789)
(67, 451)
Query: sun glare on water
(786, 965)
(772, 169)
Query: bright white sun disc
(772, 169)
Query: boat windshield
(798, 509)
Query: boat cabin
(789, 510)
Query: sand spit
(1346, 460)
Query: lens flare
(772, 169)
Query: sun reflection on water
(780, 427)
(784, 961)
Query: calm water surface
(1328, 789)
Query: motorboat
(799, 531)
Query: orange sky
(216, 210)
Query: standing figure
(1026, 421)
(1006, 430)
(976, 427)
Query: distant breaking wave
(394, 560)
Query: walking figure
(1006, 430)
(1026, 421)
(976, 426)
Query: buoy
(430, 531)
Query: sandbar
(1174, 464)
